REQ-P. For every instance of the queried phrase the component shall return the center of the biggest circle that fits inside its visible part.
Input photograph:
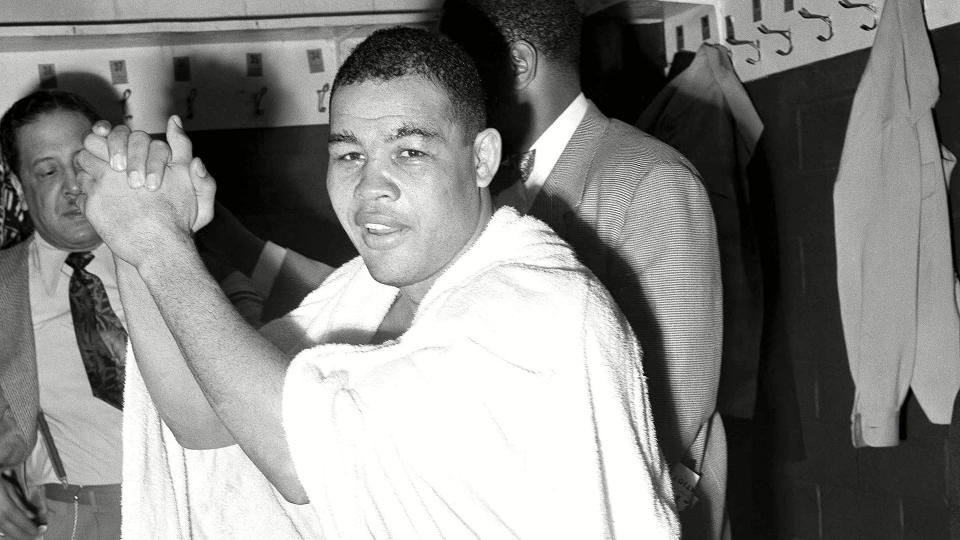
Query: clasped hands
(135, 223)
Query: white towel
(514, 407)
(171, 493)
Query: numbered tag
(48, 76)
(254, 65)
(181, 68)
(315, 60)
(684, 486)
(118, 72)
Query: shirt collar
(551, 143)
(49, 262)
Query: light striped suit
(638, 216)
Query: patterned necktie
(516, 168)
(100, 335)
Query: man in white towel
(464, 377)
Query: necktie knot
(79, 260)
(515, 168)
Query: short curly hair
(28, 109)
(397, 52)
(552, 26)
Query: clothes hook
(848, 4)
(321, 95)
(191, 99)
(732, 40)
(257, 99)
(124, 108)
(825, 18)
(785, 33)
(755, 44)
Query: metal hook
(257, 98)
(732, 40)
(191, 98)
(848, 4)
(123, 105)
(755, 44)
(785, 33)
(321, 94)
(825, 18)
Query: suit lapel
(18, 368)
(562, 193)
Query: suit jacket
(637, 215)
(895, 275)
(19, 389)
(707, 102)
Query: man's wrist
(168, 257)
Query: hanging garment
(705, 113)
(14, 224)
(895, 274)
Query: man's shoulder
(627, 146)
(626, 158)
(519, 267)
(539, 313)
(13, 262)
(620, 144)
(15, 253)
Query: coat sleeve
(667, 276)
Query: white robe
(513, 407)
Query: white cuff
(267, 268)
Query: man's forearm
(171, 385)
(240, 373)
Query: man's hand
(136, 223)
(16, 516)
(145, 160)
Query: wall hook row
(825, 18)
(851, 5)
(785, 33)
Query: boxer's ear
(486, 156)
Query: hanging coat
(705, 113)
(895, 275)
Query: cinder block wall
(838, 491)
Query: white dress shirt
(86, 430)
(549, 146)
